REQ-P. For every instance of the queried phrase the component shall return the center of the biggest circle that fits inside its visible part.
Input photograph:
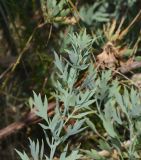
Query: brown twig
(28, 119)
(127, 68)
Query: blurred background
(30, 32)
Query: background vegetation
(32, 30)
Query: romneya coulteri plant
(111, 127)
(87, 98)
(118, 109)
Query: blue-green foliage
(53, 10)
(102, 11)
(74, 100)
(116, 107)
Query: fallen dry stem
(28, 119)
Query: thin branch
(28, 119)
(127, 68)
